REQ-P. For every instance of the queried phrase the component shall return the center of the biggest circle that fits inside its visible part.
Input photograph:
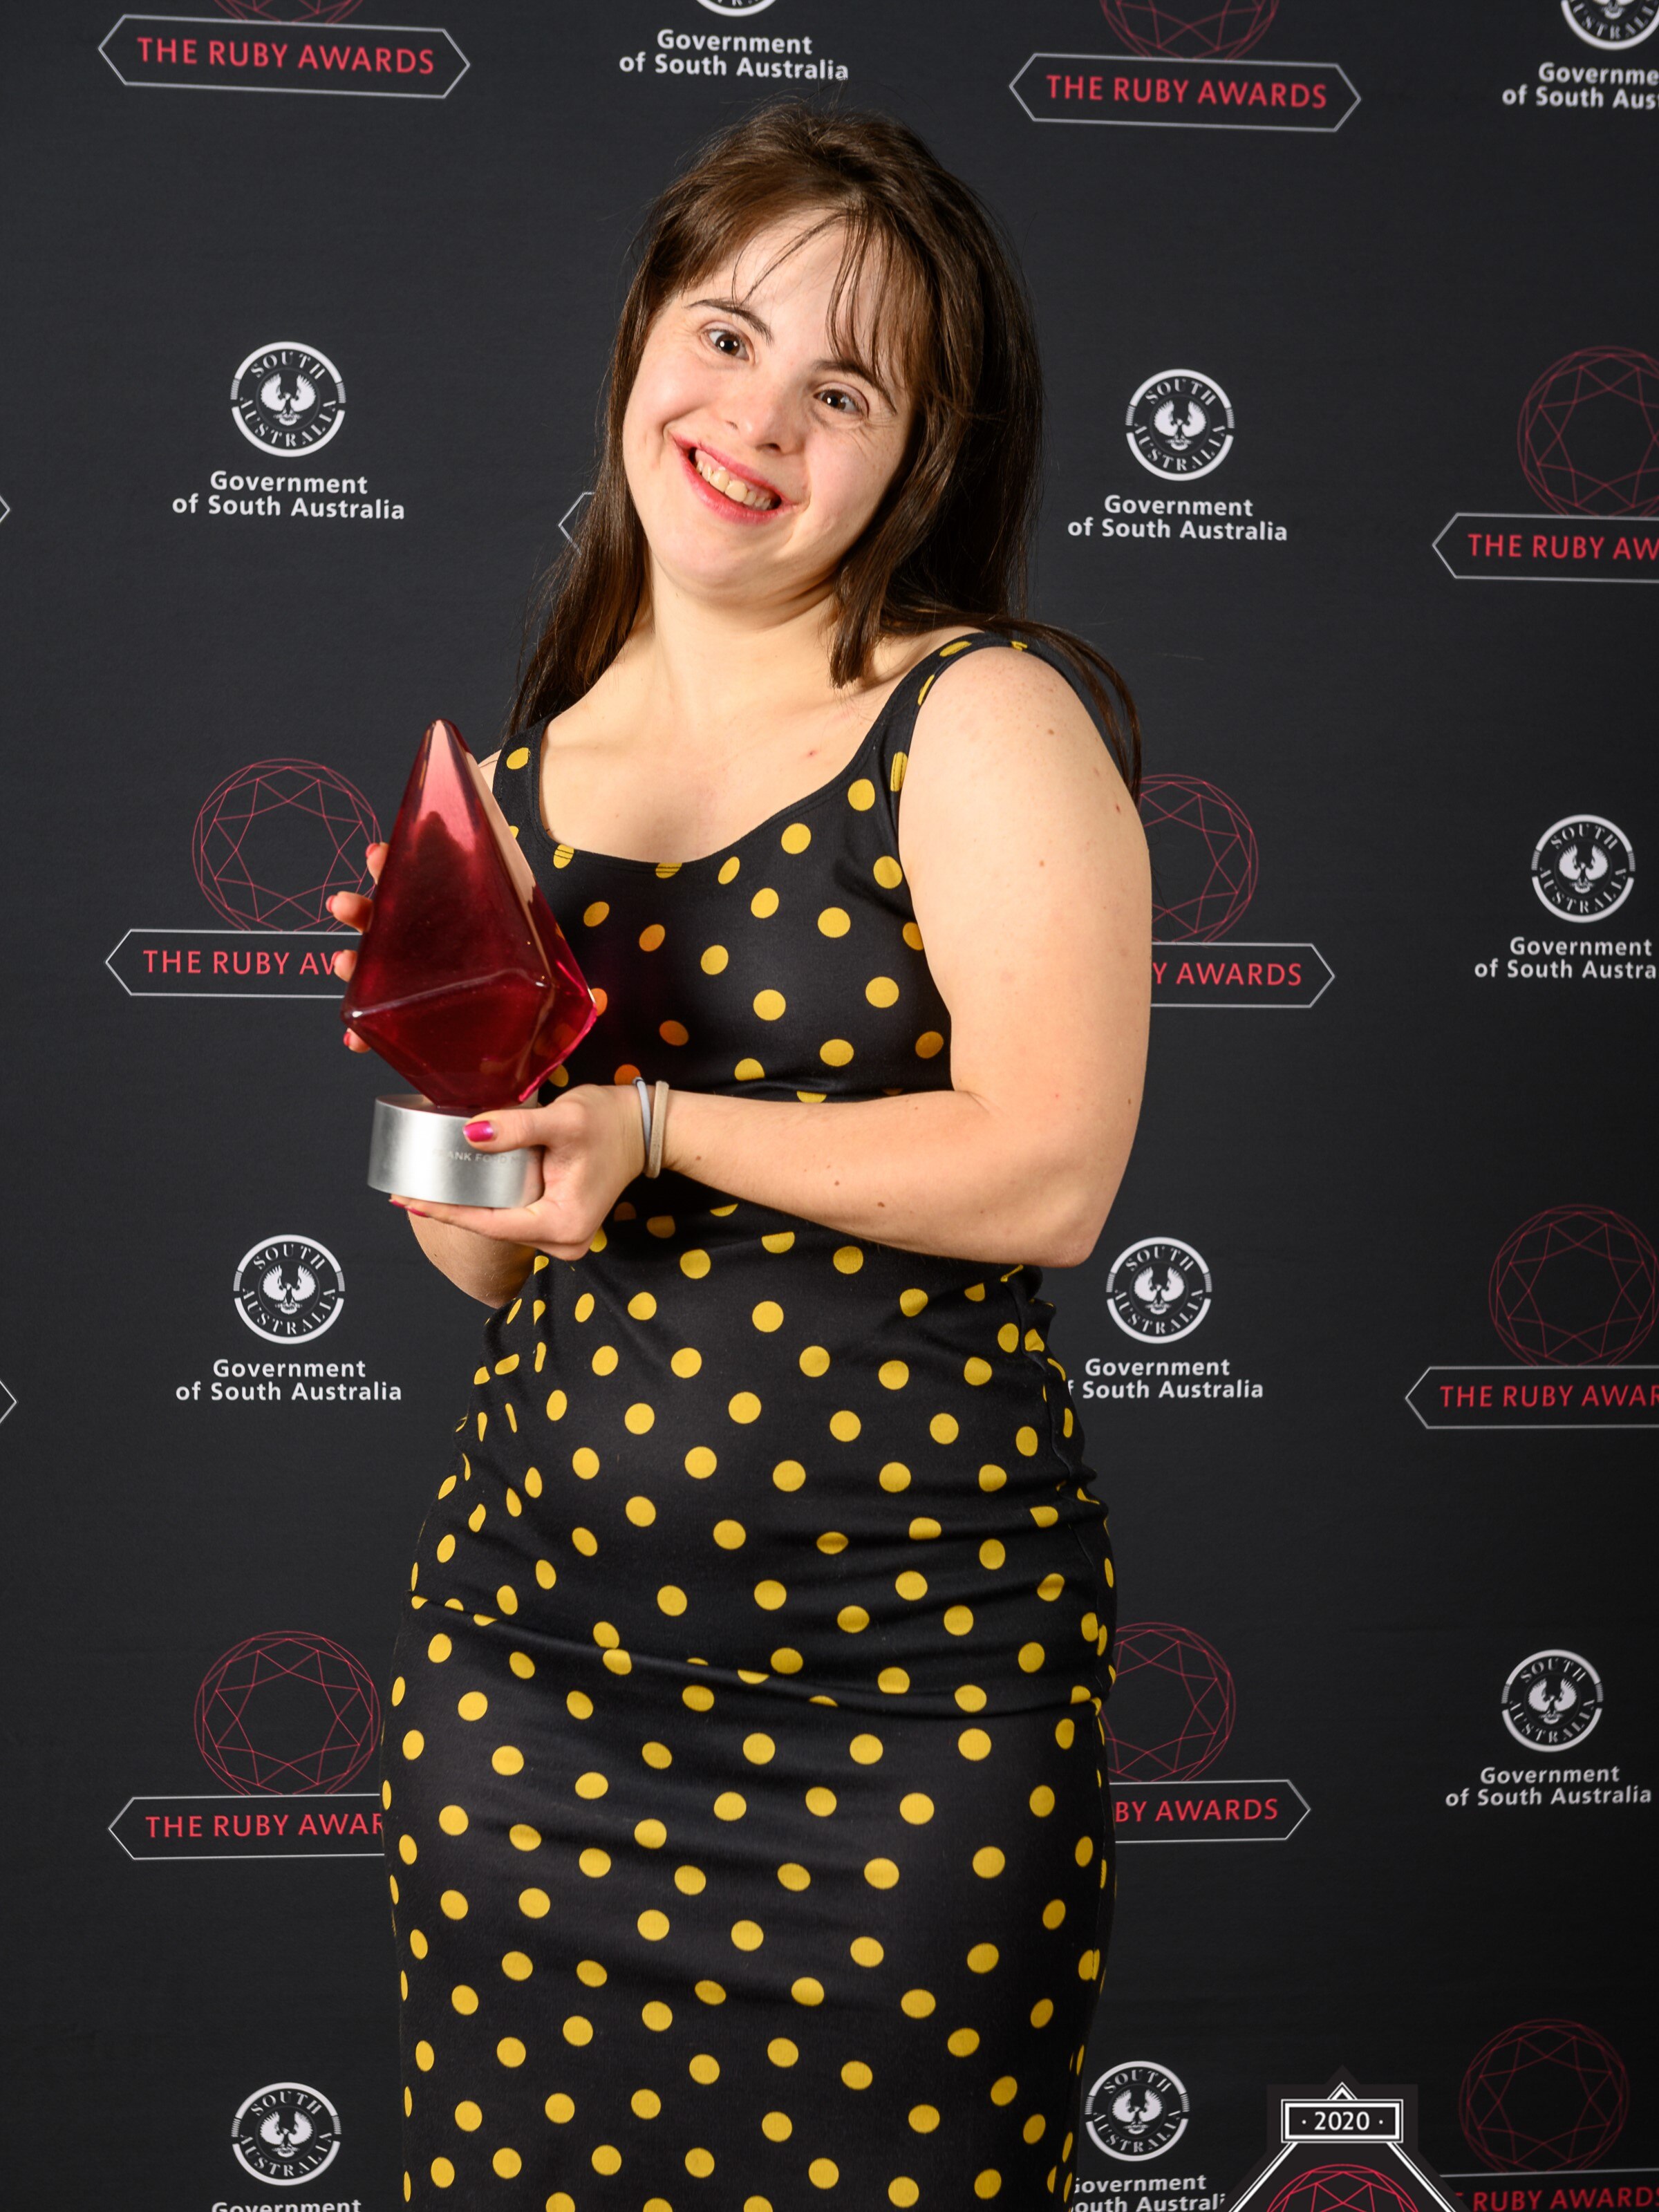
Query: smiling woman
(744, 1785)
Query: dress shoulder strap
(517, 783)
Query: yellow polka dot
(465, 2000)
(578, 2030)
(881, 991)
(794, 1876)
(699, 2164)
(406, 1850)
(673, 1032)
(517, 757)
(865, 1951)
(440, 1649)
(835, 922)
(865, 1748)
(594, 914)
(730, 1805)
(962, 2043)
(977, 1371)
(862, 795)
(729, 868)
(888, 872)
(606, 2159)
(903, 2192)
(788, 1474)
(1004, 2090)
(815, 1360)
(557, 1404)
(656, 1754)
(929, 1044)
(535, 1904)
(805, 1990)
(657, 2017)
(652, 1925)
(895, 1476)
(744, 1406)
(821, 1801)
(777, 2127)
(730, 1535)
(591, 1972)
(943, 1428)
(853, 1619)
(652, 937)
(414, 1744)
(894, 1679)
(1025, 1440)
(453, 1905)
(442, 2172)
(786, 1661)
(916, 1807)
(748, 1934)
(1033, 2128)
(516, 1965)
(982, 1958)
(594, 1862)
(446, 1548)
(958, 1619)
(796, 838)
(417, 1944)
(768, 1315)
(710, 1992)
(645, 2104)
(763, 905)
(856, 2074)
(880, 1874)
(585, 1462)
(893, 1374)
(685, 1363)
(988, 2183)
(748, 1070)
(974, 1743)
(823, 2173)
(835, 1051)
(581, 1706)
(912, 936)
(714, 958)
(1030, 1657)
(698, 1696)
(844, 1425)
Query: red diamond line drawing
(287, 1711)
(1542, 2095)
(274, 841)
(1588, 433)
(1577, 1285)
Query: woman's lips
(728, 490)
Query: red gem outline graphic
(1492, 2099)
(226, 1733)
(1190, 30)
(1211, 1699)
(234, 807)
(1517, 1288)
(290, 11)
(1342, 2188)
(1204, 811)
(1543, 435)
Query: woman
(744, 1786)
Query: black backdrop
(1365, 723)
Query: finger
(506, 1129)
(343, 965)
(376, 859)
(351, 907)
(508, 1225)
(354, 1042)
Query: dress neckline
(809, 801)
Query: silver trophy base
(417, 1151)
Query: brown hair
(949, 541)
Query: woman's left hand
(593, 1144)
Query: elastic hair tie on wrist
(644, 1089)
(658, 1130)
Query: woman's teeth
(744, 494)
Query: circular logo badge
(1159, 1289)
(1584, 866)
(1205, 857)
(1173, 1704)
(735, 7)
(1544, 2094)
(288, 398)
(1553, 1700)
(285, 2133)
(288, 1289)
(1136, 2110)
(1180, 424)
(1610, 22)
(288, 1712)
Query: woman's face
(755, 454)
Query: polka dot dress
(744, 1772)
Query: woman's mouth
(727, 485)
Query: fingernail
(478, 1133)
(403, 1202)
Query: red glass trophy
(464, 983)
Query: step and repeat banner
(1353, 468)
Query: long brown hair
(949, 541)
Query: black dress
(744, 1772)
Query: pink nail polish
(478, 1133)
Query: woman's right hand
(352, 909)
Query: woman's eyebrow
(736, 307)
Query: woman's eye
(842, 403)
(726, 341)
